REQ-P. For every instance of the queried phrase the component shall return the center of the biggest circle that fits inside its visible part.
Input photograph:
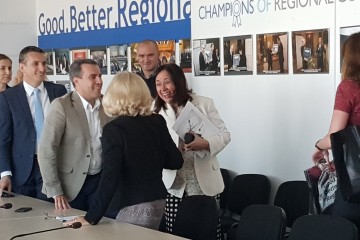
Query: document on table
(191, 119)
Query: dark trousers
(32, 187)
(87, 193)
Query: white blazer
(207, 168)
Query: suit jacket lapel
(50, 91)
(81, 114)
(24, 102)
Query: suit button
(87, 155)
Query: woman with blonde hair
(136, 146)
(346, 112)
(5, 72)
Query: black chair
(197, 218)
(294, 198)
(223, 196)
(323, 227)
(245, 190)
(259, 222)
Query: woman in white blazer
(200, 174)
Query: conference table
(42, 217)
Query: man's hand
(61, 202)
(5, 184)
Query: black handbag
(345, 146)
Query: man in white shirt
(19, 126)
(70, 152)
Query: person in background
(242, 61)
(346, 112)
(22, 110)
(305, 59)
(70, 151)
(5, 72)
(136, 147)
(320, 52)
(148, 57)
(200, 174)
(269, 54)
(281, 55)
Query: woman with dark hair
(200, 174)
(5, 72)
(346, 112)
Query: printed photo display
(238, 57)
(49, 62)
(118, 58)
(311, 51)
(79, 54)
(272, 53)
(98, 54)
(62, 61)
(185, 55)
(206, 56)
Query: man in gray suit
(70, 151)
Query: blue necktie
(39, 114)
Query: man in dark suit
(18, 130)
(281, 55)
(202, 62)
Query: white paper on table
(191, 119)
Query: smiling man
(148, 57)
(70, 151)
(19, 124)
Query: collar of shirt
(87, 105)
(151, 75)
(30, 89)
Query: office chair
(259, 222)
(294, 198)
(245, 190)
(197, 218)
(323, 227)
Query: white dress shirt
(92, 115)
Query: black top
(150, 82)
(134, 152)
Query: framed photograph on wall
(118, 58)
(49, 62)
(272, 53)
(311, 51)
(79, 54)
(238, 55)
(185, 55)
(206, 54)
(98, 54)
(62, 61)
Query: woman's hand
(77, 219)
(320, 154)
(198, 144)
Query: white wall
(17, 28)
(274, 120)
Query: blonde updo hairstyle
(127, 95)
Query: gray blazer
(207, 168)
(64, 151)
